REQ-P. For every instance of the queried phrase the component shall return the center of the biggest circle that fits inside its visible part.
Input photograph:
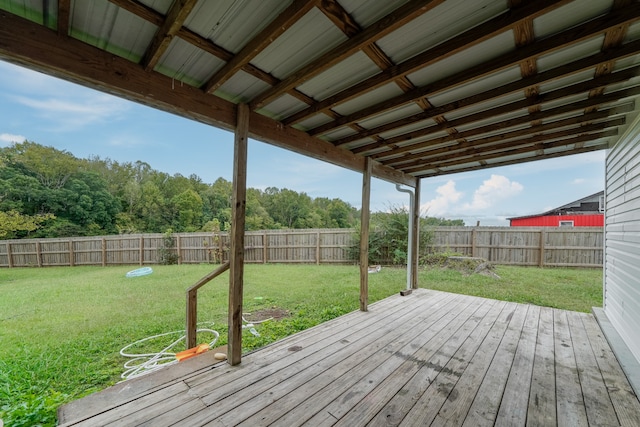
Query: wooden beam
(264, 38)
(407, 160)
(238, 209)
(483, 32)
(486, 152)
(364, 237)
(64, 11)
(507, 60)
(177, 14)
(34, 46)
(440, 172)
(627, 50)
(477, 148)
(376, 31)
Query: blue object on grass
(139, 272)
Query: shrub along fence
(544, 247)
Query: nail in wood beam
(236, 275)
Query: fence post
(104, 252)
(543, 238)
(179, 249)
(39, 253)
(318, 248)
(72, 255)
(474, 237)
(9, 257)
(265, 250)
(141, 245)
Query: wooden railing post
(192, 303)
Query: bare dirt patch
(275, 313)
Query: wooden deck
(430, 358)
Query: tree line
(46, 192)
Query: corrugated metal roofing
(424, 88)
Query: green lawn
(61, 328)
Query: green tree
(13, 224)
(188, 211)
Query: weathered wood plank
(513, 408)
(230, 396)
(431, 358)
(337, 369)
(542, 396)
(485, 406)
(453, 412)
(624, 400)
(369, 396)
(570, 403)
(418, 402)
(597, 402)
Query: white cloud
(493, 190)
(440, 205)
(76, 112)
(8, 139)
(578, 181)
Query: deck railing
(192, 303)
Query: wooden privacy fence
(544, 247)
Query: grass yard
(61, 329)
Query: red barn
(586, 212)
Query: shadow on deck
(430, 358)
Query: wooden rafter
(539, 155)
(64, 7)
(510, 59)
(475, 149)
(519, 85)
(264, 38)
(376, 31)
(524, 147)
(177, 14)
(446, 144)
(483, 32)
(27, 43)
(583, 87)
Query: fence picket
(544, 247)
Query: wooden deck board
(429, 358)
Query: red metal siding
(554, 221)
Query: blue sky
(87, 123)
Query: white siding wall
(622, 238)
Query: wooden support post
(318, 248)
(364, 236)
(236, 276)
(415, 244)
